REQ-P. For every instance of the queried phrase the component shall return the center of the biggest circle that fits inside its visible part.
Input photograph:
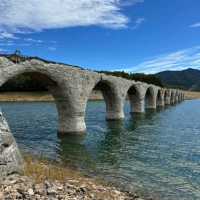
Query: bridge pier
(114, 109)
(167, 100)
(151, 103)
(114, 115)
(161, 102)
(137, 104)
(71, 110)
(136, 95)
(150, 98)
(71, 125)
(177, 99)
(161, 98)
(70, 121)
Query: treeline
(150, 79)
(28, 82)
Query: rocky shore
(16, 187)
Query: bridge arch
(71, 87)
(136, 100)
(160, 98)
(112, 98)
(150, 98)
(68, 119)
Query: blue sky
(131, 35)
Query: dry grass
(192, 95)
(41, 170)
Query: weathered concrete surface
(10, 158)
(71, 88)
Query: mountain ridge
(187, 79)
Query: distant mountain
(188, 79)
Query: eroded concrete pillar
(71, 120)
(71, 111)
(114, 109)
(176, 99)
(114, 98)
(167, 100)
(161, 99)
(151, 103)
(161, 102)
(137, 104)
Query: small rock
(51, 191)
(30, 191)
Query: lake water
(156, 153)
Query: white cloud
(6, 35)
(138, 22)
(196, 25)
(21, 16)
(187, 58)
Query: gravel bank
(22, 187)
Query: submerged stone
(11, 161)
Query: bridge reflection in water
(147, 149)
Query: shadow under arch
(111, 98)
(44, 81)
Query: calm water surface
(157, 152)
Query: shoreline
(46, 97)
(43, 179)
(37, 96)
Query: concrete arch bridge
(71, 88)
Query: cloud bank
(22, 16)
(179, 60)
